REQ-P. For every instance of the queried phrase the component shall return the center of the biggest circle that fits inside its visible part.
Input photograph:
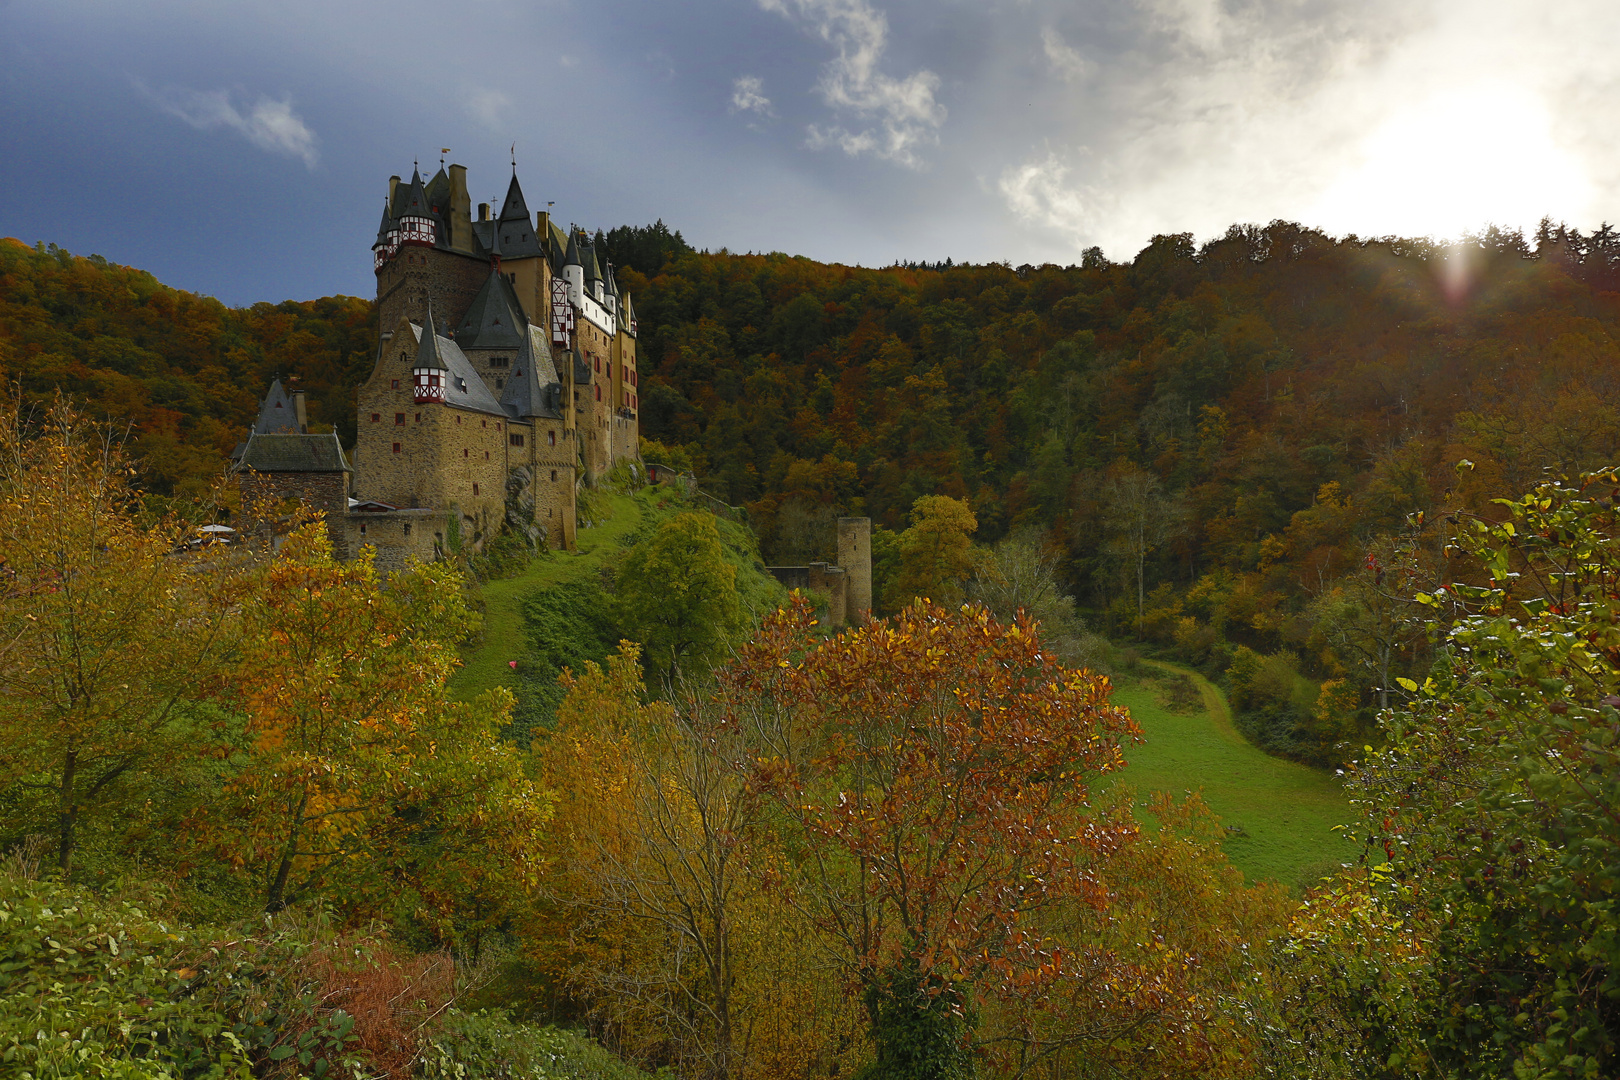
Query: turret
(386, 244)
(574, 269)
(610, 291)
(417, 222)
(427, 375)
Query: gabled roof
(533, 390)
(463, 387)
(277, 413)
(294, 453)
(559, 245)
(516, 226)
(438, 191)
(495, 320)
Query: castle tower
(855, 556)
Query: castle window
(393, 384)
(497, 425)
(458, 419)
(418, 418)
(483, 423)
(500, 383)
(362, 529)
(407, 528)
(486, 455)
(598, 360)
(464, 453)
(515, 440)
(598, 392)
(553, 476)
(399, 418)
(552, 436)
(396, 448)
(375, 417)
(475, 489)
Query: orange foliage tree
(361, 771)
(934, 773)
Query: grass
(485, 662)
(1280, 814)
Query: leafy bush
(487, 1043)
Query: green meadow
(1279, 815)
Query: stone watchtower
(281, 460)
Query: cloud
(488, 107)
(267, 123)
(895, 117)
(1065, 59)
(748, 96)
(1039, 193)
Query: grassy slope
(502, 638)
(1286, 811)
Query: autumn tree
(677, 595)
(1020, 575)
(936, 552)
(935, 772)
(648, 868)
(356, 750)
(109, 637)
(1140, 518)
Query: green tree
(678, 595)
(1495, 806)
(936, 553)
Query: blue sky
(243, 150)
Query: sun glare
(1456, 162)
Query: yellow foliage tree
(361, 771)
(936, 553)
(109, 637)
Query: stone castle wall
(416, 274)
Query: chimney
(542, 230)
(460, 210)
(299, 417)
(393, 186)
(483, 211)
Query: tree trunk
(277, 899)
(67, 813)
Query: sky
(243, 149)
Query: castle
(505, 378)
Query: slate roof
(412, 198)
(427, 348)
(495, 320)
(387, 224)
(593, 271)
(277, 413)
(582, 370)
(572, 258)
(463, 387)
(294, 453)
(533, 390)
(608, 282)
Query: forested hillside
(1223, 444)
(185, 371)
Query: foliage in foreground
(101, 986)
(1487, 943)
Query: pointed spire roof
(386, 226)
(427, 348)
(515, 226)
(495, 319)
(438, 191)
(593, 271)
(464, 388)
(413, 199)
(572, 258)
(533, 389)
(276, 415)
(608, 283)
